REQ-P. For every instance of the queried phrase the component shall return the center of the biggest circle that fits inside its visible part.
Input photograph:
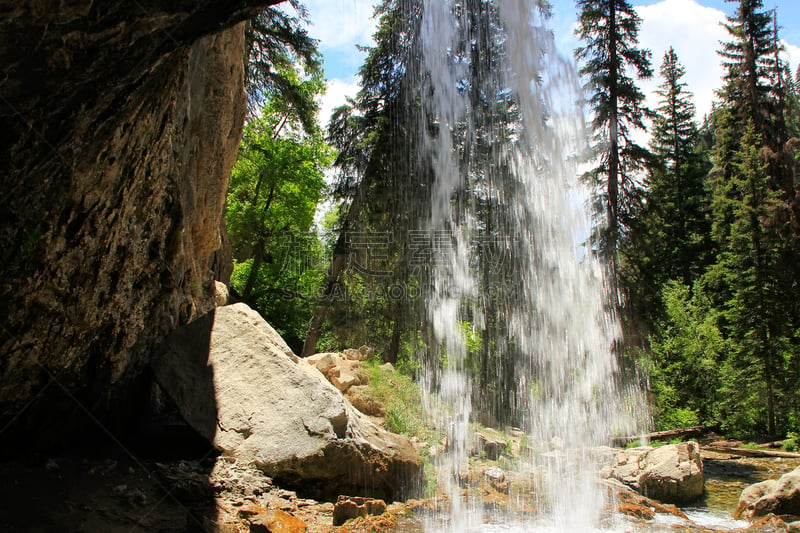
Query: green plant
(749, 446)
(791, 442)
(401, 399)
(682, 418)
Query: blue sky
(691, 26)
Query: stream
(726, 477)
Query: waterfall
(505, 141)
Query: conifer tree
(609, 29)
(670, 238)
(754, 227)
(749, 265)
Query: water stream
(506, 140)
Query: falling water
(558, 329)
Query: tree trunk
(394, 346)
(331, 279)
(612, 209)
(258, 258)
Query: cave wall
(120, 124)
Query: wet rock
(635, 510)
(244, 390)
(496, 478)
(350, 507)
(672, 473)
(276, 521)
(769, 524)
(634, 504)
(491, 442)
(779, 497)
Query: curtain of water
(558, 329)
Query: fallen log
(683, 433)
(750, 452)
(775, 444)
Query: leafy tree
(273, 193)
(609, 29)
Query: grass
(791, 442)
(400, 397)
(402, 401)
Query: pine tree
(382, 193)
(670, 238)
(279, 57)
(610, 30)
(749, 266)
(757, 172)
(749, 59)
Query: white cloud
(695, 32)
(792, 54)
(335, 95)
(341, 23)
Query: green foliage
(754, 311)
(281, 59)
(273, 192)
(726, 346)
(669, 240)
(401, 398)
(682, 418)
(683, 360)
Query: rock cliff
(120, 125)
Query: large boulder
(276, 410)
(778, 497)
(672, 473)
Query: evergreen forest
(699, 228)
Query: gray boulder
(672, 473)
(779, 497)
(237, 383)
